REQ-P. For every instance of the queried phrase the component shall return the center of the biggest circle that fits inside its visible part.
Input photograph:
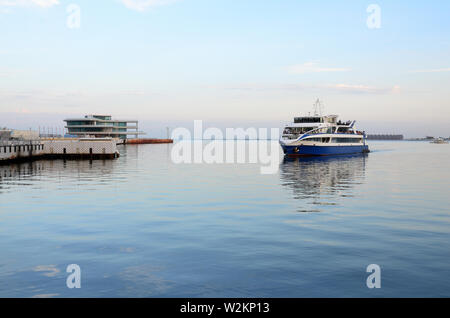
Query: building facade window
(347, 140)
(102, 126)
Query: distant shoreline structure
(384, 137)
(12, 150)
(142, 141)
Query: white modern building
(102, 126)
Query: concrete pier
(63, 148)
(20, 150)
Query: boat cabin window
(324, 140)
(347, 140)
(297, 130)
(323, 130)
(305, 129)
(302, 120)
(342, 130)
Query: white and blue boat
(319, 135)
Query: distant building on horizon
(384, 137)
(102, 126)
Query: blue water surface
(143, 226)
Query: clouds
(436, 70)
(137, 5)
(322, 88)
(313, 67)
(142, 5)
(363, 89)
(29, 3)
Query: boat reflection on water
(322, 181)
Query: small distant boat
(319, 135)
(439, 141)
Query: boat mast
(318, 108)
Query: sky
(230, 63)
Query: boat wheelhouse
(322, 135)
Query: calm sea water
(141, 226)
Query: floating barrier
(140, 141)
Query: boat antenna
(318, 108)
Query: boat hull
(310, 150)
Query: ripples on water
(141, 226)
